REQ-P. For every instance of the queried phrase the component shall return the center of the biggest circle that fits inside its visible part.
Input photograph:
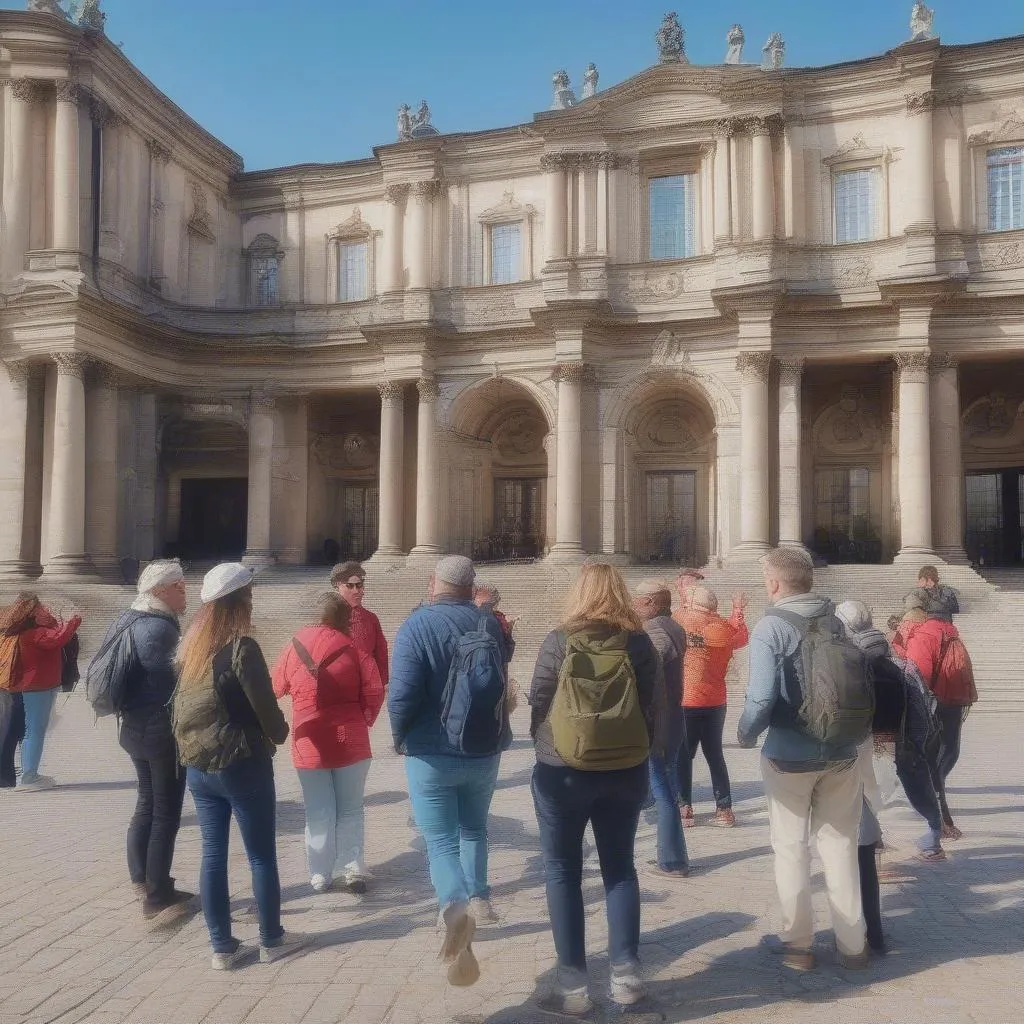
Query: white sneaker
(229, 961)
(286, 945)
(627, 987)
(481, 911)
(38, 783)
(570, 995)
(320, 883)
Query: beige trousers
(826, 805)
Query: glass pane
(352, 272)
(672, 214)
(264, 274)
(506, 253)
(517, 531)
(984, 508)
(856, 197)
(844, 527)
(671, 517)
(1006, 188)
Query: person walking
(37, 638)
(813, 786)
(653, 603)
(600, 660)
(349, 580)
(711, 641)
(937, 600)
(336, 693)
(448, 708)
(227, 724)
(145, 733)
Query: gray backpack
(829, 681)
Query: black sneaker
(154, 906)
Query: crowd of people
(624, 694)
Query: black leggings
(12, 732)
(870, 896)
(704, 727)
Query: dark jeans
(704, 727)
(565, 800)
(870, 896)
(671, 841)
(952, 719)
(921, 786)
(12, 732)
(245, 789)
(154, 825)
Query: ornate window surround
(1007, 133)
(263, 246)
(351, 231)
(857, 155)
(687, 160)
(508, 211)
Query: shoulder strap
(796, 621)
(116, 636)
(304, 656)
(944, 645)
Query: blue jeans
(565, 799)
(335, 819)
(245, 789)
(450, 800)
(38, 707)
(671, 842)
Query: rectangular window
(506, 253)
(855, 198)
(353, 272)
(1006, 189)
(264, 280)
(672, 216)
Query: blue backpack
(473, 701)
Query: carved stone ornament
(854, 272)
(725, 128)
(920, 102)
(158, 152)
(563, 97)
(105, 376)
(428, 389)
(46, 7)
(426, 191)
(352, 227)
(1007, 254)
(552, 162)
(199, 222)
(851, 426)
(404, 123)
(652, 286)
(354, 450)
(773, 53)
(396, 194)
(791, 369)
(391, 391)
(262, 401)
(590, 79)
(994, 422)
(668, 350)
(668, 426)
(734, 45)
(573, 373)
(71, 364)
(24, 89)
(922, 21)
(69, 92)
(942, 361)
(913, 362)
(754, 365)
(90, 17)
(520, 435)
(19, 372)
(671, 40)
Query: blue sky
(295, 81)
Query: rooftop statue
(564, 96)
(922, 20)
(422, 115)
(45, 7)
(90, 16)
(735, 40)
(671, 40)
(404, 123)
(589, 82)
(773, 53)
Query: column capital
(791, 369)
(754, 365)
(71, 364)
(24, 89)
(553, 162)
(70, 92)
(103, 375)
(262, 401)
(941, 361)
(915, 362)
(426, 191)
(397, 193)
(103, 114)
(920, 102)
(725, 127)
(391, 390)
(573, 373)
(20, 372)
(159, 153)
(428, 390)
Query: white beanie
(854, 615)
(224, 579)
(161, 573)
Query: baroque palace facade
(698, 313)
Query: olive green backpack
(596, 720)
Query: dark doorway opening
(518, 520)
(671, 517)
(213, 518)
(360, 504)
(995, 517)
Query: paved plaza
(74, 947)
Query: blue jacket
(771, 642)
(420, 662)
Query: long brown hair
(216, 624)
(15, 616)
(335, 612)
(600, 597)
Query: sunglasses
(357, 585)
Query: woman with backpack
(227, 724)
(32, 640)
(336, 693)
(599, 660)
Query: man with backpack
(810, 687)
(447, 704)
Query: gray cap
(455, 570)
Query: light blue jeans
(451, 797)
(38, 707)
(335, 819)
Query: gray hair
(703, 598)
(791, 567)
(488, 588)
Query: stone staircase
(991, 622)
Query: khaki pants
(826, 805)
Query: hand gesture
(740, 600)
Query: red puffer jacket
(39, 663)
(921, 643)
(330, 723)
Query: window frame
(508, 211)
(262, 247)
(354, 231)
(986, 204)
(880, 225)
(683, 164)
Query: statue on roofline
(404, 123)
(734, 41)
(589, 82)
(564, 96)
(422, 115)
(90, 16)
(773, 53)
(922, 21)
(671, 40)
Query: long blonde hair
(600, 597)
(215, 625)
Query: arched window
(264, 257)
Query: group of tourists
(624, 694)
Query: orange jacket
(710, 642)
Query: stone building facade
(701, 312)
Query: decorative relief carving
(920, 102)
(1007, 254)
(20, 372)
(651, 286)
(69, 92)
(941, 361)
(396, 194)
(754, 365)
(520, 435)
(1011, 130)
(263, 401)
(995, 421)
(71, 364)
(428, 390)
(914, 361)
(425, 191)
(353, 227)
(849, 427)
(158, 152)
(791, 370)
(669, 425)
(573, 373)
(24, 89)
(105, 376)
(669, 350)
(671, 40)
(552, 162)
(199, 222)
(725, 128)
(850, 273)
(354, 450)
(391, 391)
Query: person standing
(686, 580)
(600, 659)
(146, 736)
(448, 708)
(336, 694)
(937, 600)
(653, 603)
(36, 676)
(349, 580)
(227, 724)
(711, 642)
(813, 787)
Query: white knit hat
(161, 573)
(224, 579)
(652, 586)
(455, 570)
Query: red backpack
(953, 680)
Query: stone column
(17, 176)
(258, 552)
(763, 180)
(14, 470)
(67, 552)
(392, 429)
(394, 237)
(551, 483)
(754, 458)
(427, 472)
(603, 161)
(914, 454)
(110, 183)
(555, 207)
(569, 479)
(790, 480)
(723, 177)
(947, 459)
(420, 223)
(101, 433)
(919, 197)
(67, 211)
(155, 223)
